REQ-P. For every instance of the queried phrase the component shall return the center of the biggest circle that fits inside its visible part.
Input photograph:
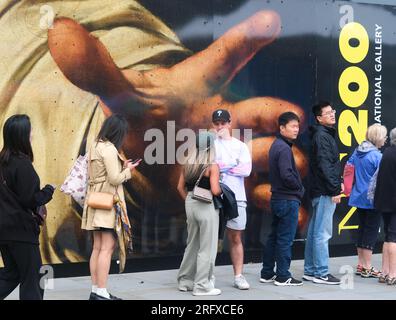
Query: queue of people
(211, 182)
(326, 189)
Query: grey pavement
(161, 285)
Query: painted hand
(186, 93)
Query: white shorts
(239, 223)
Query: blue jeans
(280, 240)
(319, 233)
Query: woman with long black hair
(20, 196)
(107, 171)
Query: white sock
(94, 288)
(103, 293)
(238, 275)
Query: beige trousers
(196, 269)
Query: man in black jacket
(287, 192)
(326, 189)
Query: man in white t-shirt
(235, 162)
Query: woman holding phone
(108, 170)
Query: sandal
(359, 268)
(383, 278)
(391, 281)
(370, 273)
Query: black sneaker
(114, 297)
(308, 277)
(92, 296)
(98, 297)
(328, 279)
(287, 282)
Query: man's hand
(187, 92)
(336, 199)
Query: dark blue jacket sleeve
(286, 170)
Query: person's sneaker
(328, 279)
(268, 279)
(213, 281)
(370, 273)
(308, 277)
(359, 268)
(92, 296)
(98, 297)
(114, 297)
(287, 282)
(184, 288)
(241, 283)
(212, 292)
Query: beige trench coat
(108, 176)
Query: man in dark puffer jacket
(326, 189)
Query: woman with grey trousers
(196, 269)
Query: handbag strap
(100, 179)
(92, 181)
(89, 166)
(201, 175)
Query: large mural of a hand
(186, 93)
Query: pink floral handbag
(77, 180)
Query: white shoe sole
(206, 293)
(308, 278)
(245, 288)
(281, 284)
(266, 281)
(318, 281)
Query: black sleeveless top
(204, 183)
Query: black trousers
(22, 263)
(389, 226)
(369, 223)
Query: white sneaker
(212, 281)
(241, 283)
(212, 292)
(184, 288)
